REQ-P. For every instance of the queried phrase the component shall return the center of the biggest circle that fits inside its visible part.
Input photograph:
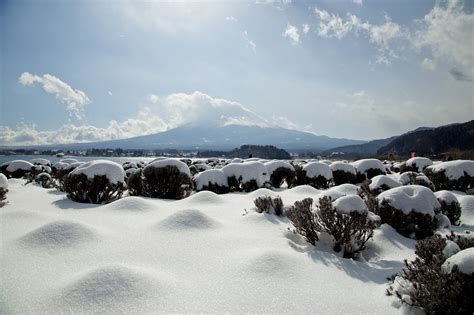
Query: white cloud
(306, 28)
(359, 94)
(165, 113)
(385, 36)
(231, 18)
(277, 4)
(447, 30)
(153, 98)
(74, 99)
(248, 42)
(428, 64)
(359, 2)
(110, 93)
(291, 32)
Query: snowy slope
(200, 254)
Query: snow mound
(380, 180)
(365, 164)
(113, 171)
(182, 167)
(60, 165)
(270, 263)
(59, 234)
(131, 203)
(18, 165)
(108, 286)
(411, 198)
(454, 169)
(467, 209)
(3, 181)
(236, 160)
(273, 165)
(262, 192)
(212, 176)
(420, 162)
(204, 197)
(315, 169)
(446, 196)
(188, 220)
(339, 191)
(406, 177)
(463, 259)
(450, 249)
(69, 161)
(341, 166)
(351, 203)
(248, 171)
(303, 190)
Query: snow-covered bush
(3, 188)
(343, 173)
(247, 176)
(316, 174)
(440, 280)
(99, 181)
(452, 175)
(16, 168)
(61, 173)
(415, 164)
(164, 178)
(40, 161)
(280, 172)
(45, 180)
(269, 205)
(450, 206)
(381, 183)
(410, 210)
(414, 178)
(213, 180)
(347, 220)
(368, 168)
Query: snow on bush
(45, 180)
(213, 180)
(40, 161)
(416, 164)
(343, 173)
(381, 183)
(69, 161)
(316, 174)
(368, 168)
(163, 178)
(464, 260)
(98, 181)
(246, 176)
(3, 188)
(60, 174)
(280, 172)
(435, 284)
(450, 205)
(414, 178)
(452, 175)
(16, 168)
(347, 220)
(410, 210)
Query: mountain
(193, 137)
(359, 151)
(433, 141)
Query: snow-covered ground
(204, 253)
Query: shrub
(213, 180)
(315, 174)
(348, 222)
(368, 168)
(246, 177)
(342, 177)
(3, 188)
(281, 175)
(303, 219)
(452, 210)
(16, 168)
(350, 229)
(165, 181)
(343, 173)
(410, 210)
(431, 287)
(98, 190)
(381, 183)
(45, 180)
(269, 205)
(452, 175)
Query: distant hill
(432, 141)
(211, 137)
(260, 151)
(358, 151)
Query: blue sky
(75, 71)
